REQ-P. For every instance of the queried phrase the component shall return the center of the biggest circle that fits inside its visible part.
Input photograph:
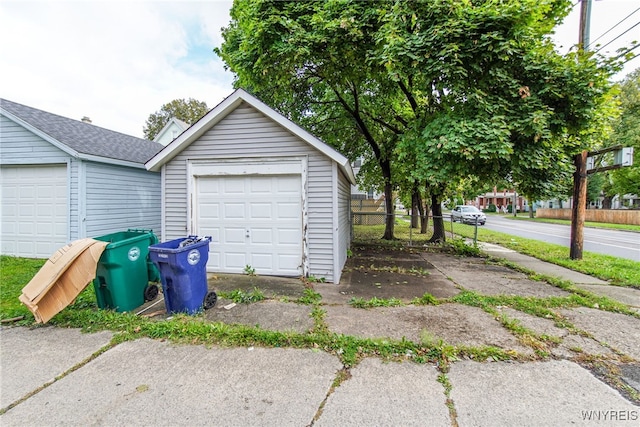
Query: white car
(468, 215)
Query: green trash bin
(125, 270)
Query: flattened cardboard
(62, 278)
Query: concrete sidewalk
(147, 382)
(592, 284)
(55, 377)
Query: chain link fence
(379, 218)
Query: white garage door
(254, 221)
(34, 210)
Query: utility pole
(580, 160)
(579, 205)
(585, 24)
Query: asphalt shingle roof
(85, 138)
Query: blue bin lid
(181, 244)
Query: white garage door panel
(254, 220)
(34, 210)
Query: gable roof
(221, 110)
(172, 121)
(79, 139)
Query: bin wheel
(210, 300)
(150, 292)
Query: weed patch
(358, 302)
(241, 297)
(426, 299)
(310, 297)
(460, 247)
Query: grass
(15, 273)
(618, 271)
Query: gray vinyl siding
(118, 198)
(20, 146)
(344, 220)
(74, 218)
(246, 133)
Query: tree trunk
(390, 220)
(416, 209)
(424, 217)
(425, 213)
(438, 221)
(530, 209)
(385, 166)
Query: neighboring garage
(34, 203)
(274, 198)
(63, 179)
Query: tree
(189, 111)
(433, 91)
(627, 133)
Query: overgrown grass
(197, 330)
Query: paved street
(618, 243)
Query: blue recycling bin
(182, 264)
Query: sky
(117, 62)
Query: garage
(34, 210)
(64, 179)
(274, 198)
(255, 222)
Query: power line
(618, 23)
(629, 29)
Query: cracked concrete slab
(268, 314)
(625, 295)
(455, 324)
(533, 394)
(414, 397)
(148, 382)
(477, 275)
(23, 349)
(620, 331)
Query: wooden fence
(612, 216)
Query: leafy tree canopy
(434, 91)
(189, 111)
(627, 133)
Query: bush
(490, 209)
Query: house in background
(63, 179)
(273, 197)
(170, 131)
(501, 199)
